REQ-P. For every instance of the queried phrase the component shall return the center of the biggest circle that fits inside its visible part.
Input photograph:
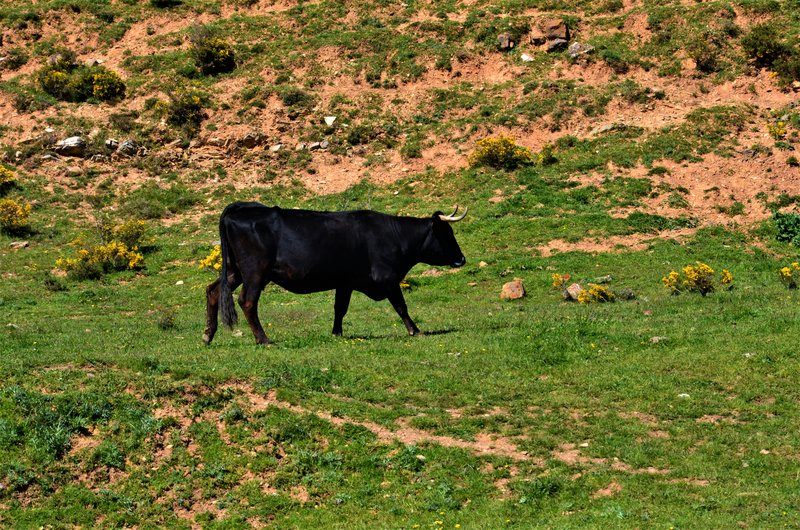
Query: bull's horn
(452, 217)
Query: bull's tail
(226, 306)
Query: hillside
(631, 172)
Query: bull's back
(301, 250)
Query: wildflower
(213, 261)
(596, 294)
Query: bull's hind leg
(340, 309)
(212, 309)
(399, 304)
(248, 301)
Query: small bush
(118, 250)
(499, 153)
(697, 278)
(107, 85)
(14, 215)
(211, 54)
(185, 109)
(66, 81)
(763, 46)
(166, 318)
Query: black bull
(305, 252)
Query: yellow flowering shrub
(777, 130)
(499, 153)
(212, 55)
(107, 85)
(14, 214)
(790, 275)
(213, 261)
(118, 251)
(596, 294)
(185, 109)
(698, 278)
(7, 178)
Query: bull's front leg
(212, 310)
(340, 309)
(399, 304)
(248, 301)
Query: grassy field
(672, 143)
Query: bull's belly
(305, 287)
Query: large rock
(72, 146)
(578, 49)
(513, 290)
(253, 139)
(505, 41)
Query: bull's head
(441, 247)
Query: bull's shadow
(387, 336)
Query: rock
(72, 146)
(300, 147)
(128, 148)
(548, 29)
(275, 148)
(656, 340)
(526, 58)
(329, 120)
(253, 139)
(324, 144)
(505, 41)
(217, 142)
(314, 146)
(16, 245)
(571, 292)
(513, 290)
(482, 264)
(556, 45)
(94, 62)
(99, 158)
(626, 294)
(112, 144)
(577, 49)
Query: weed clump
(14, 214)
(697, 278)
(500, 153)
(211, 54)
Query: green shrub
(763, 46)
(788, 227)
(15, 58)
(185, 109)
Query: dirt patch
(609, 491)
(484, 444)
(630, 243)
(570, 454)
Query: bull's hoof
(206, 339)
(264, 342)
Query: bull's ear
(436, 215)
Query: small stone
(505, 41)
(72, 146)
(482, 264)
(275, 148)
(112, 144)
(513, 290)
(128, 148)
(16, 245)
(324, 144)
(576, 49)
(656, 340)
(300, 147)
(683, 396)
(526, 58)
(252, 139)
(330, 120)
(179, 282)
(556, 45)
(314, 146)
(217, 142)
